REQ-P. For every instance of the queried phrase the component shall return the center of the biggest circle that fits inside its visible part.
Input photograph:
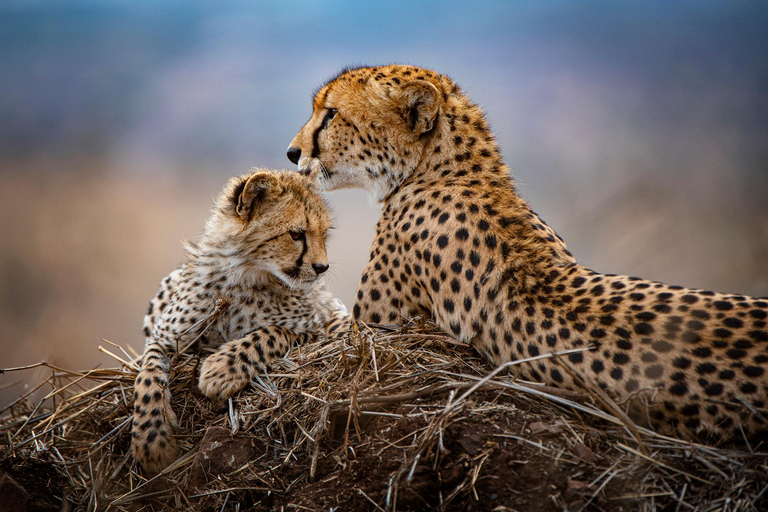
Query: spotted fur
(250, 289)
(455, 242)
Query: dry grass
(392, 419)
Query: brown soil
(478, 469)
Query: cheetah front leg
(234, 364)
(152, 443)
(378, 302)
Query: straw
(360, 423)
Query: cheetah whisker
(326, 174)
(331, 276)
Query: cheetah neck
(461, 166)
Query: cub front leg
(234, 364)
(152, 441)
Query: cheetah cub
(250, 287)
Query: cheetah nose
(294, 154)
(319, 268)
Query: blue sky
(228, 84)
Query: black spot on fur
(722, 305)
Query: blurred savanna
(638, 132)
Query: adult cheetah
(455, 242)
(249, 288)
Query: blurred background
(638, 130)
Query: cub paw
(221, 376)
(152, 444)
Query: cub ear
(419, 103)
(252, 192)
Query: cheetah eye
(296, 235)
(329, 115)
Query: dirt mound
(391, 419)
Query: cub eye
(296, 235)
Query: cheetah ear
(252, 192)
(419, 104)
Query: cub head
(370, 126)
(274, 222)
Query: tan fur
(455, 242)
(249, 288)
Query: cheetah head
(369, 127)
(272, 222)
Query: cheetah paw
(216, 379)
